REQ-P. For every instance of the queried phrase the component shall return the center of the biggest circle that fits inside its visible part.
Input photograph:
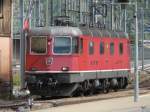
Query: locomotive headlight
(65, 68)
(34, 69)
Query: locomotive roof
(76, 31)
(57, 30)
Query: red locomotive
(65, 61)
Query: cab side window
(75, 48)
(81, 46)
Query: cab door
(83, 53)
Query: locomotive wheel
(87, 88)
(114, 84)
(91, 89)
(85, 85)
(79, 91)
(123, 83)
(105, 86)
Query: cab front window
(62, 45)
(38, 45)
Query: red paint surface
(84, 61)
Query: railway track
(14, 106)
(54, 102)
(48, 103)
(39, 103)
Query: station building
(5, 47)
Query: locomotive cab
(45, 50)
(51, 57)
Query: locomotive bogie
(51, 84)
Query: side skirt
(65, 84)
(80, 77)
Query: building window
(1, 8)
(111, 48)
(91, 48)
(102, 48)
(120, 48)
